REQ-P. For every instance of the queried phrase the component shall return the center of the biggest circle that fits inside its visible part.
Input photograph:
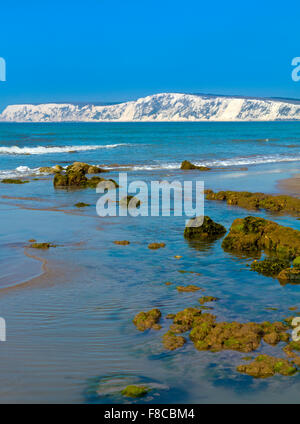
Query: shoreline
(290, 186)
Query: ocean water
(69, 310)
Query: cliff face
(159, 107)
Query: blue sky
(114, 50)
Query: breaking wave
(42, 150)
(218, 163)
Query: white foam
(20, 171)
(42, 150)
(238, 161)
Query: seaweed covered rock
(189, 288)
(292, 350)
(172, 342)
(94, 181)
(270, 267)
(205, 299)
(130, 202)
(289, 275)
(248, 200)
(186, 165)
(85, 167)
(13, 181)
(154, 246)
(275, 332)
(75, 177)
(122, 242)
(134, 391)
(92, 169)
(145, 320)
(227, 336)
(265, 366)
(186, 317)
(41, 245)
(296, 262)
(81, 205)
(252, 234)
(50, 170)
(70, 179)
(208, 230)
(206, 334)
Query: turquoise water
(70, 336)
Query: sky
(116, 50)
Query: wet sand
(291, 185)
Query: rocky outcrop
(207, 230)
(186, 165)
(265, 366)
(252, 234)
(254, 201)
(146, 320)
(75, 177)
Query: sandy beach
(291, 185)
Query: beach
(69, 309)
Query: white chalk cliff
(159, 107)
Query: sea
(69, 309)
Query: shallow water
(70, 336)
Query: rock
(186, 165)
(209, 230)
(187, 317)
(94, 181)
(81, 205)
(170, 316)
(289, 275)
(145, 320)
(78, 167)
(228, 336)
(75, 178)
(168, 283)
(133, 391)
(130, 202)
(177, 257)
(291, 348)
(32, 240)
(172, 342)
(190, 288)
(85, 167)
(179, 328)
(70, 179)
(47, 170)
(270, 266)
(13, 181)
(252, 234)
(41, 245)
(266, 366)
(92, 169)
(183, 271)
(50, 170)
(205, 299)
(289, 320)
(248, 200)
(122, 242)
(155, 246)
(275, 332)
(206, 334)
(296, 262)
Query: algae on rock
(146, 320)
(203, 228)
